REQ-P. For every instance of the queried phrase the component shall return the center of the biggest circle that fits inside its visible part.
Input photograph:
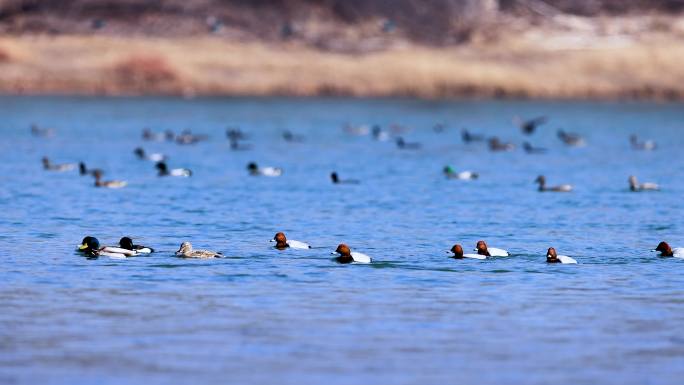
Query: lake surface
(413, 316)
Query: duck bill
(82, 247)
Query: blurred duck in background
(450, 173)
(83, 170)
(496, 145)
(290, 137)
(379, 134)
(336, 179)
(541, 180)
(47, 165)
(635, 186)
(153, 157)
(530, 149)
(163, 170)
(457, 252)
(187, 137)
(402, 144)
(43, 132)
(552, 257)
(108, 183)
(255, 170)
(529, 126)
(647, 145)
(571, 139)
(468, 136)
(283, 243)
(153, 136)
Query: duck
(153, 157)
(90, 246)
(187, 137)
(482, 249)
(155, 136)
(109, 183)
(255, 170)
(336, 179)
(83, 170)
(496, 145)
(186, 251)
(552, 257)
(47, 165)
(42, 131)
(541, 180)
(402, 144)
(361, 130)
(127, 243)
(457, 250)
(235, 134)
(450, 173)
(533, 150)
(571, 139)
(635, 186)
(529, 126)
(379, 134)
(345, 255)
(283, 243)
(647, 145)
(164, 170)
(288, 136)
(667, 251)
(468, 137)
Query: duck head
(334, 177)
(89, 245)
(551, 256)
(253, 168)
(46, 162)
(633, 184)
(458, 251)
(139, 152)
(280, 240)
(126, 243)
(481, 248)
(344, 254)
(185, 248)
(665, 249)
(162, 168)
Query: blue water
(413, 316)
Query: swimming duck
(356, 130)
(43, 132)
(635, 186)
(109, 183)
(457, 250)
(528, 126)
(379, 134)
(336, 179)
(571, 139)
(541, 180)
(149, 135)
(667, 251)
(186, 251)
(127, 243)
(154, 157)
(533, 150)
(345, 255)
(647, 145)
(552, 257)
(164, 170)
(187, 137)
(292, 138)
(90, 246)
(468, 137)
(463, 175)
(235, 134)
(482, 249)
(283, 243)
(496, 145)
(264, 171)
(401, 143)
(83, 170)
(47, 165)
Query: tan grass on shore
(525, 65)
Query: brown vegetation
(143, 72)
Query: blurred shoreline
(611, 58)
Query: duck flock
(91, 247)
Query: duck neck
(281, 245)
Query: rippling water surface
(413, 316)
